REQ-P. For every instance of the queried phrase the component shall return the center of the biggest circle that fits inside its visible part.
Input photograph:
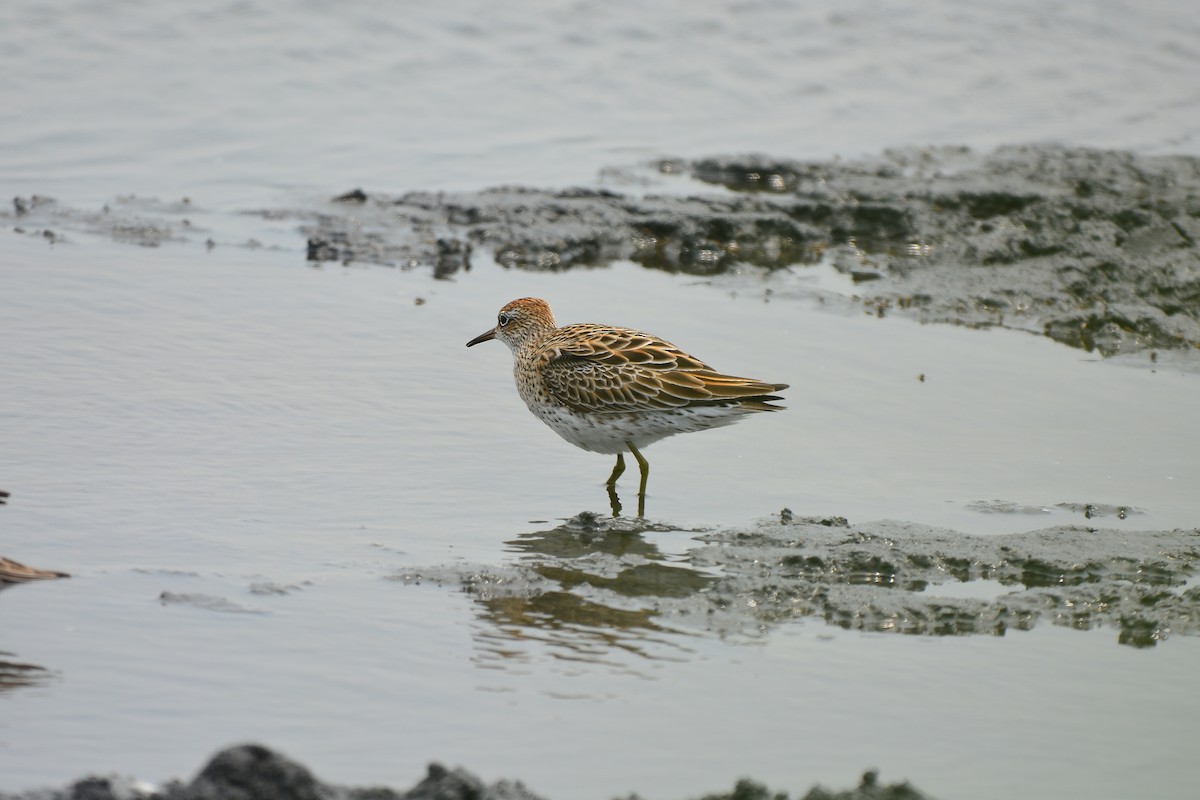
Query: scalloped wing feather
(601, 369)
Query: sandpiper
(609, 389)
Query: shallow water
(241, 386)
(236, 454)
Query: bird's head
(518, 322)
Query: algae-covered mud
(1096, 249)
(255, 772)
(885, 576)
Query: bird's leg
(645, 468)
(618, 468)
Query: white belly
(612, 432)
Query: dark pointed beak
(483, 337)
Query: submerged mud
(885, 576)
(1096, 249)
(254, 772)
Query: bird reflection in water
(15, 674)
(19, 675)
(590, 596)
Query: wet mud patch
(207, 602)
(609, 581)
(1085, 510)
(143, 221)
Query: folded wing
(621, 370)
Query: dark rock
(253, 772)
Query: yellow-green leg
(618, 468)
(644, 465)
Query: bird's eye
(504, 319)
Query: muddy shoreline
(1096, 249)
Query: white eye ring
(504, 319)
